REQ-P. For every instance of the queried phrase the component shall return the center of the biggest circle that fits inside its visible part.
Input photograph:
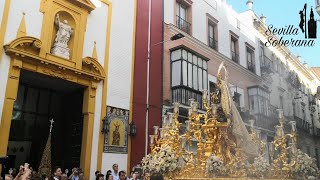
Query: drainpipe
(148, 80)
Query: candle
(183, 142)
(280, 113)
(191, 102)
(194, 107)
(188, 125)
(293, 126)
(204, 95)
(161, 130)
(258, 133)
(214, 108)
(156, 130)
(164, 120)
(190, 111)
(271, 148)
(279, 131)
(251, 122)
(176, 108)
(170, 118)
(151, 139)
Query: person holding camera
(75, 174)
(24, 173)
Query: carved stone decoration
(60, 46)
(25, 49)
(57, 74)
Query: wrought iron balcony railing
(302, 124)
(183, 24)
(267, 122)
(213, 43)
(266, 64)
(182, 94)
(251, 67)
(235, 57)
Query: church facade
(80, 68)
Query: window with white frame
(189, 70)
(259, 100)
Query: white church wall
(33, 19)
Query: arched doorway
(69, 84)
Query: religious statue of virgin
(116, 135)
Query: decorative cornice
(86, 4)
(27, 47)
(199, 44)
(22, 42)
(94, 64)
(57, 73)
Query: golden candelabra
(212, 132)
(281, 164)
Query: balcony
(251, 67)
(266, 65)
(302, 124)
(182, 94)
(235, 57)
(183, 24)
(267, 122)
(293, 79)
(213, 43)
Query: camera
(4, 159)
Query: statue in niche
(116, 135)
(60, 46)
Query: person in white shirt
(115, 173)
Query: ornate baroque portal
(36, 55)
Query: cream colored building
(290, 85)
(74, 87)
(262, 79)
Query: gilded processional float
(225, 149)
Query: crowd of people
(27, 173)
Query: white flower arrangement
(305, 165)
(261, 164)
(161, 161)
(214, 165)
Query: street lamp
(176, 37)
(173, 38)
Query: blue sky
(286, 12)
